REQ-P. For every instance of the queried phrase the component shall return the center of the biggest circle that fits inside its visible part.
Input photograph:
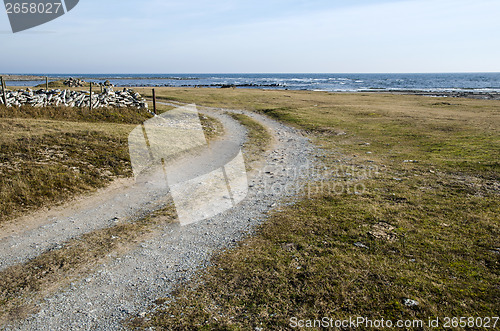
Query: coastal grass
(408, 209)
(258, 139)
(452, 131)
(49, 155)
(212, 127)
(59, 84)
(75, 114)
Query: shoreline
(438, 94)
(471, 93)
(22, 78)
(479, 95)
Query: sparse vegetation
(258, 139)
(23, 284)
(212, 127)
(47, 161)
(48, 155)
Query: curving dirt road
(127, 285)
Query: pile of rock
(74, 82)
(44, 98)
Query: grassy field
(47, 155)
(425, 225)
(258, 139)
(50, 155)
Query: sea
(437, 82)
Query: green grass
(429, 229)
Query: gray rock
(361, 245)
(410, 302)
(42, 98)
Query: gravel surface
(125, 201)
(126, 286)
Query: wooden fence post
(154, 101)
(3, 91)
(90, 105)
(46, 83)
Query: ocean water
(481, 82)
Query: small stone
(410, 302)
(361, 245)
(289, 246)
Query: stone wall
(44, 98)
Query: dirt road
(127, 285)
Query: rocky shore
(74, 82)
(67, 98)
(486, 95)
(215, 85)
(20, 78)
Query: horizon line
(255, 73)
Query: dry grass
(212, 127)
(257, 142)
(44, 162)
(105, 115)
(47, 156)
(426, 230)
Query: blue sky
(222, 36)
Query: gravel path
(125, 201)
(126, 286)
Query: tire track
(126, 286)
